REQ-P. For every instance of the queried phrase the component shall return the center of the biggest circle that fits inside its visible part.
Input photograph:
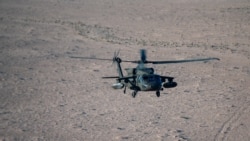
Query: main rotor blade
(181, 61)
(143, 55)
(76, 57)
(110, 77)
(94, 58)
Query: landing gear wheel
(134, 94)
(158, 94)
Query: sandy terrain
(46, 95)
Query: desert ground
(45, 94)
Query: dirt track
(46, 95)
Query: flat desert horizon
(45, 94)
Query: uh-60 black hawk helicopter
(142, 78)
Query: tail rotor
(116, 58)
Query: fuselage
(149, 82)
(145, 79)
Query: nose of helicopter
(156, 85)
(150, 82)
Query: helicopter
(142, 78)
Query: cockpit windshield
(149, 77)
(150, 81)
